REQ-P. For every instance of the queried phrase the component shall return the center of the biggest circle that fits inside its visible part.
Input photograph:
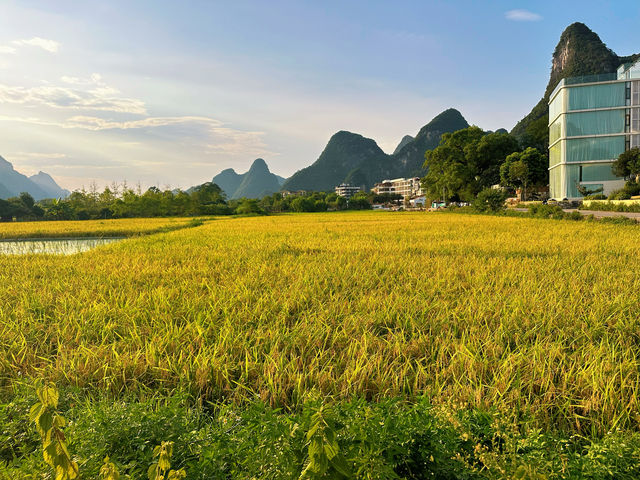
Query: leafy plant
(324, 458)
(161, 468)
(49, 424)
(109, 471)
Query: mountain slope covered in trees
(347, 157)
(354, 159)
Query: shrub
(392, 438)
(545, 211)
(629, 190)
(490, 200)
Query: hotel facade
(592, 120)
(407, 187)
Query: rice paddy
(537, 318)
(54, 246)
(123, 227)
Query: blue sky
(170, 93)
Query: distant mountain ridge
(49, 185)
(352, 158)
(406, 139)
(411, 157)
(257, 182)
(348, 157)
(579, 52)
(39, 186)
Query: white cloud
(35, 155)
(522, 16)
(212, 135)
(97, 97)
(94, 79)
(7, 49)
(50, 46)
(209, 136)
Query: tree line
(465, 163)
(471, 160)
(206, 199)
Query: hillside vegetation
(354, 159)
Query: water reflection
(52, 246)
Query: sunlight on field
(124, 227)
(522, 314)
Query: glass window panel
(557, 106)
(573, 179)
(595, 123)
(597, 96)
(555, 154)
(555, 183)
(635, 95)
(555, 130)
(598, 173)
(586, 149)
(635, 120)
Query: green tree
(628, 164)
(465, 162)
(336, 202)
(303, 204)
(523, 169)
(27, 200)
(6, 211)
(485, 157)
(249, 206)
(359, 201)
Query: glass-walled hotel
(592, 120)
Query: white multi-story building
(347, 191)
(296, 193)
(592, 120)
(407, 187)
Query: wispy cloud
(208, 135)
(95, 96)
(49, 45)
(7, 49)
(94, 79)
(35, 155)
(522, 16)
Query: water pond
(52, 246)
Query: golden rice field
(532, 316)
(123, 227)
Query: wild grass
(538, 319)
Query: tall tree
(466, 162)
(523, 169)
(628, 164)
